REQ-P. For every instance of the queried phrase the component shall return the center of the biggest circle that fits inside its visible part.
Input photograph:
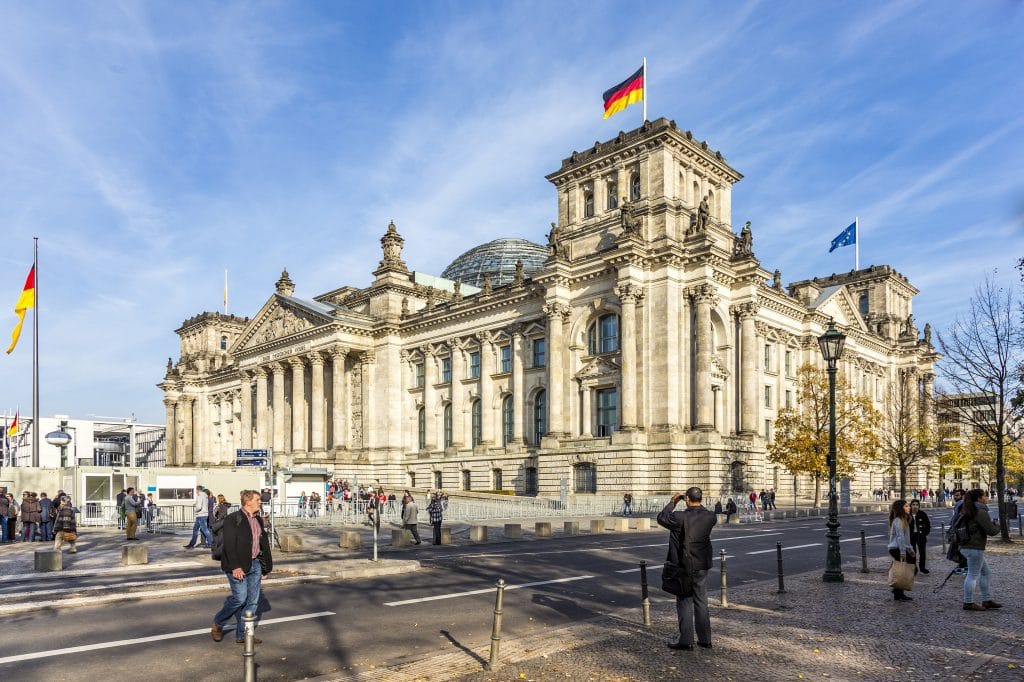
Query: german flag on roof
(629, 91)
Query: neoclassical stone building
(649, 351)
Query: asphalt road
(315, 628)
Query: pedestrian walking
(121, 513)
(436, 512)
(752, 506)
(46, 511)
(201, 526)
(689, 548)
(900, 547)
(12, 518)
(771, 499)
(5, 506)
(410, 512)
(920, 527)
(150, 510)
(730, 509)
(980, 526)
(65, 526)
(245, 560)
(132, 510)
(627, 504)
(220, 513)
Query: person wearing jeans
(979, 524)
(245, 559)
(201, 526)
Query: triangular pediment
(598, 367)
(839, 305)
(279, 318)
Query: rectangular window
(506, 358)
(768, 396)
(789, 400)
(438, 480)
(420, 376)
(530, 484)
(540, 352)
(767, 357)
(607, 411)
(609, 333)
(474, 364)
(496, 477)
(768, 430)
(446, 370)
(467, 479)
(584, 478)
(789, 363)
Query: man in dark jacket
(689, 547)
(245, 559)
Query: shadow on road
(462, 647)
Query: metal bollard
(725, 591)
(645, 600)
(778, 554)
(1020, 525)
(496, 629)
(863, 553)
(943, 539)
(249, 649)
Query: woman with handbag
(979, 526)
(65, 528)
(904, 561)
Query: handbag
(901, 575)
(69, 535)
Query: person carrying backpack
(979, 526)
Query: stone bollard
(478, 533)
(401, 537)
(621, 525)
(48, 560)
(571, 527)
(597, 526)
(514, 531)
(351, 539)
(133, 555)
(543, 529)
(643, 524)
(734, 519)
(721, 518)
(290, 543)
(446, 536)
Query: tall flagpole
(35, 355)
(645, 89)
(856, 242)
(225, 291)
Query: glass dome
(497, 259)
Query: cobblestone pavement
(816, 631)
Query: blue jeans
(46, 531)
(3, 529)
(977, 572)
(245, 595)
(201, 526)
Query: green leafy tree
(801, 432)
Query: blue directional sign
(251, 458)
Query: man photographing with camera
(689, 552)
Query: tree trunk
(1004, 523)
(817, 492)
(903, 481)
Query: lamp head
(831, 344)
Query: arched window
(736, 469)
(696, 192)
(421, 427)
(588, 202)
(862, 304)
(712, 209)
(612, 188)
(223, 342)
(448, 425)
(603, 335)
(477, 415)
(584, 478)
(634, 187)
(507, 417)
(540, 416)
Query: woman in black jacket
(920, 526)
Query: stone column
(458, 401)
(704, 297)
(171, 437)
(224, 406)
(236, 423)
(518, 390)
(486, 389)
(429, 399)
(187, 402)
(586, 408)
(556, 314)
(245, 411)
(298, 404)
(366, 360)
(278, 369)
(339, 395)
(316, 406)
(628, 295)
(262, 423)
(928, 402)
(748, 368)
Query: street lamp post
(831, 344)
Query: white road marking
(765, 551)
(79, 572)
(49, 653)
(866, 537)
(658, 567)
(118, 586)
(453, 595)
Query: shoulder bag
(901, 575)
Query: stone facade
(651, 352)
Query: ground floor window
(584, 478)
(530, 484)
(496, 479)
(466, 480)
(607, 411)
(438, 480)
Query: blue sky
(150, 146)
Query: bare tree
(982, 365)
(904, 438)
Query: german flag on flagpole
(12, 430)
(629, 91)
(25, 301)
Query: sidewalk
(816, 631)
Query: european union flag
(845, 238)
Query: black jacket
(920, 527)
(691, 530)
(237, 552)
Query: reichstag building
(644, 348)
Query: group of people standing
(132, 507)
(42, 519)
